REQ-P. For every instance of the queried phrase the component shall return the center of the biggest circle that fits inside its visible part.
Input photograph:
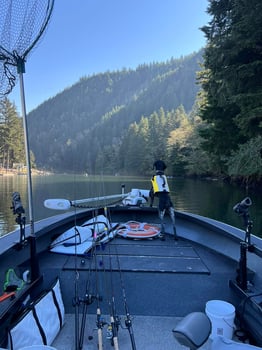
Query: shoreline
(14, 172)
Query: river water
(213, 199)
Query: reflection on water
(213, 199)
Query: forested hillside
(85, 127)
(202, 114)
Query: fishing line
(76, 301)
(89, 295)
(106, 289)
(76, 281)
(114, 322)
(88, 299)
(114, 318)
(128, 320)
(113, 325)
(99, 322)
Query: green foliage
(247, 160)
(11, 136)
(231, 80)
(145, 142)
(168, 135)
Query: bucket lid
(219, 308)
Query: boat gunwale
(222, 231)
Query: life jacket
(159, 184)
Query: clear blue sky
(85, 37)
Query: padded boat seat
(193, 330)
(220, 343)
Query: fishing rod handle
(115, 342)
(100, 339)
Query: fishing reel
(88, 299)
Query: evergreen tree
(178, 142)
(246, 162)
(11, 135)
(232, 76)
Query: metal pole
(34, 261)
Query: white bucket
(221, 315)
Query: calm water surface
(213, 199)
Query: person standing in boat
(160, 189)
(160, 167)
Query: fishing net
(22, 23)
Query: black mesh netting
(22, 23)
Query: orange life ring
(135, 229)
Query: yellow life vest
(159, 183)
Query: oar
(65, 204)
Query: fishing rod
(114, 325)
(99, 320)
(112, 330)
(90, 298)
(75, 301)
(128, 320)
(86, 301)
(114, 318)
(100, 323)
(76, 305)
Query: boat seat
(193, 330)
